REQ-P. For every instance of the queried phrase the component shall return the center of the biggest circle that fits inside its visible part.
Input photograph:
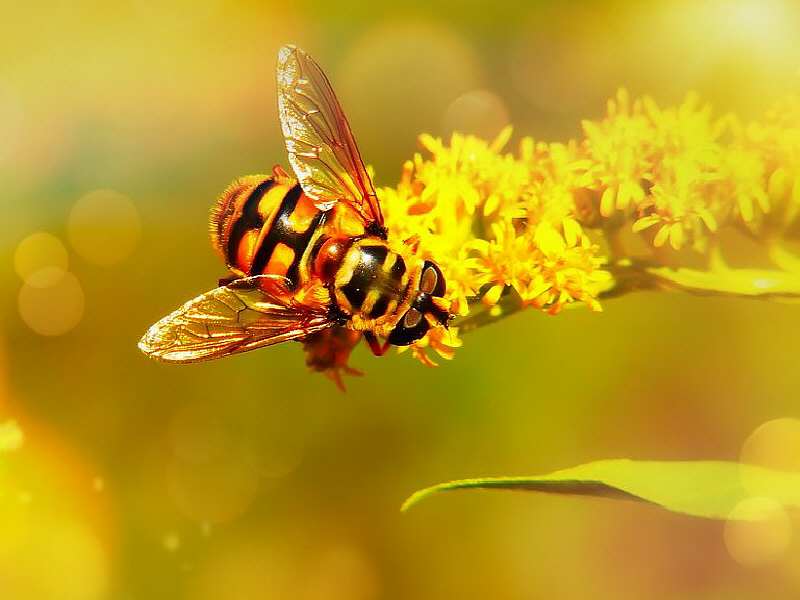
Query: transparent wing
(321, 147)
(235, 318)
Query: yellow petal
(676, 236)
(502, 139)
(548, 239)
(526, 148)
(623, 195)
(793, 209)
(707, 218)
(763, 200)
(492, 295)
(591, 129)
(661, 236)
(491, 204)
(745, 207)
(430, 143)
(779, 184)
(645, 222)
(607, 202)
(637, 193)
(572, 231)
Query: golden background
(250, 478)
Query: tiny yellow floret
(549, 226)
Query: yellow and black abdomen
(263, 224)
(267, 225)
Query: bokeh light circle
(77, 551)
(214, 474)
(60, 559)
(756, 542)
(11, 436)
(247, 568)
(479, 112)
(57, 540)
(343, 571)
(316, 568)
(397, 80)
(561, 61)
(104, 227)
(775, 445)
(53, 308)
(43, 254)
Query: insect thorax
(372, 284)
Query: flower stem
(635, 275)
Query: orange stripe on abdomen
(263, 225)
(245, 251)
(281, 260)
(303, 214)
(293, 226)
(243, 218)
(236, 220)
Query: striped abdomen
(266, 225)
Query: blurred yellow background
(250, 478)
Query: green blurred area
(252, 478)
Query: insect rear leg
(328, 351)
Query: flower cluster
(550, 225)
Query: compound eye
(429, 280)
(432, 281)
(412, 328)
(412, 318)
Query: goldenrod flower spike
(554, 225)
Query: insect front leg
(377, 348)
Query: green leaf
(756, 283)
(709, 489)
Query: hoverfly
(310, 258)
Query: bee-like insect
(310, 258)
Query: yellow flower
(677, 207)
(543, 227)
(743, 174)
(617, 147)
(541, 266)
(558, 172)
(440, 340)
(776, 140)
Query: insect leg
(377, 348)
(227, 280)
